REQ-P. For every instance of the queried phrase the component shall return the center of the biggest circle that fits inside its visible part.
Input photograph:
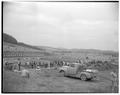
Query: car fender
(63, 69)
(88, 75)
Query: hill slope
(11, 44)
(11, 40)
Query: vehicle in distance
(79, 71)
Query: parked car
(79, 71)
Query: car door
(71, 69)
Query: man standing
(114, 81)
(19, 64)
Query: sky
(80, 25)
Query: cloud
(48, 19)
(87, 22)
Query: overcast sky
(67, 25)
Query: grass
(13, 82)
(49, 80)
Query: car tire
(62, 72)
(83, 77)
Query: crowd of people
(32, 63)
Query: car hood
(63, 67)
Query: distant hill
(29, 46)
(9, 39)
(86, 51)
(104, 52)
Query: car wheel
(83, 77)
(62, 72)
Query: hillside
(13, 48)
(12, 45)
(16, 47)
(11, 40)
(86, 51)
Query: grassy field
(51, 81)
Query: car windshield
(71, 65)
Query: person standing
(25, 73)
(19, 64)
(114, 81)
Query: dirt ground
(46, 80)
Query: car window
(72, 65)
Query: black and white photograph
(60, 46)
